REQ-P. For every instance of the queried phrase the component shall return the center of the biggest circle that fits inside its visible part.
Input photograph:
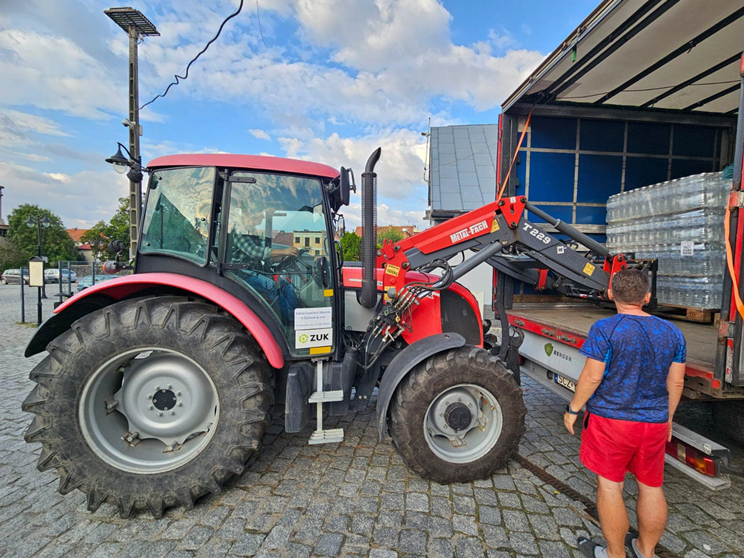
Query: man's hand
(288, 251)
(569, 420)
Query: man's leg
(652, 517)
(613, 517)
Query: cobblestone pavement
(350, 499)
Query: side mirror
(344, 189)
(116, 246)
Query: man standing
(631, 385)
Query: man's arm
(675, 384)
(591, 377)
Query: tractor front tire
(150, 403)
(458, 416)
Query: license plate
(565, 382)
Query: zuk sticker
(589, 269)
(393, 270)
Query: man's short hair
(630, 286)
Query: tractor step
(326, 396)
(332, 436)
(320, 436)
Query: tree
(351, 243)
(116, 229)
(97, 237)
(10, 256)
(388, 233)
(56, 244)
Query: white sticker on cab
(309, 338)
(313, 318)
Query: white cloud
(52, 72)
(402, 192)
(259, 134)
(396, 58)
(87, 197)
(59, 177)
(34, 123)
(401, 167)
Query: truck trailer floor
(578, 319)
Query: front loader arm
(501, 236)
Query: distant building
(312, 241)
(405, 230)
(462, 177)
(85, 251)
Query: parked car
(87, 281)
(13, 277)
(53, 275)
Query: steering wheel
(289, 260)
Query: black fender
(403, 363)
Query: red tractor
(159, 386)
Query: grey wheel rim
(463, 423)
(149, 410)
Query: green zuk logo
(548, 349)
(304, 338)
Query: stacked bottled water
(679, 223)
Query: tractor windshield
(176, 220)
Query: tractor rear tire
(225, 375)
(478, 384)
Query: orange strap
(730, 264)
(516, 154)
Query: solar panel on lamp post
(136, 25)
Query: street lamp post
(39, 222)
(136, 25)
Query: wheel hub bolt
(160, 414)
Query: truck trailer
(640, 93)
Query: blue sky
(328, 81)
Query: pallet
(687, 313)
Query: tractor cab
(263, 224)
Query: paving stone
(329, 544)
(417, 502)
(465, 524)
(412, 542)
(439, 548)
(247, 545)
(195, 538)
(351, 499)
(488, 514)
(515, 520)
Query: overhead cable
(202, 51)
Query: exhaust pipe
(368, 296)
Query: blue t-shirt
(637, 352)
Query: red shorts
(611, 447)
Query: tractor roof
(252, 162)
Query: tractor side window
(276, 230)
(176, 220)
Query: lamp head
(119, 162)
(45, 222)
(30, 222)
